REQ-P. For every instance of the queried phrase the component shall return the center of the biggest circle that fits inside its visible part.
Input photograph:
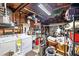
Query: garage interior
(39, 29)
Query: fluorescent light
(44, 9)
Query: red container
(76, 37)
(37, 41)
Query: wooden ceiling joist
(21, 6)
(18, 7)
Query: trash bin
(50, 51)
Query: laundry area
(39, 29)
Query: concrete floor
(31, 53)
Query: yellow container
(19, 42)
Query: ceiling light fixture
(44, 9)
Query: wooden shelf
(4, 31)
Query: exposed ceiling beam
(62, 7)
(29, 10)
(21, 6)
(18, 7)
(56, 24)
(23, 12)
(33, 12)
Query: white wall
(25, 26)
(52, 29)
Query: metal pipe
(73, 35)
